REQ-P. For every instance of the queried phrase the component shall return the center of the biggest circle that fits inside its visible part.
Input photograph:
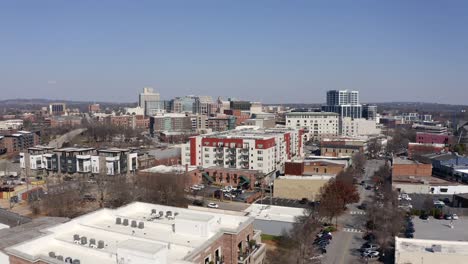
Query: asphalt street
(58, 142)
(344, 248)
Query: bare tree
(295, 246)
(334, 197)
(374, 147)
(62, 200)
(163, 188)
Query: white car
(404, 196)
(229, 195)
(370, 254)
(439, 203)
(212, 205)
(196, 188)
(454, 217)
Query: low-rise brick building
(403, 167)
(146, 234)
(433, 138)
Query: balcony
(254, 255)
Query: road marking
(352, 230)
(357, 212)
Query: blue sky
(273, 51)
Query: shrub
(416, 212)
(329, 229)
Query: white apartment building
(317, 124)
(143, 233)
(11, 124)
(265, 150)
(40, 159)
(355, 127)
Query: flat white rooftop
(274, 213)
(169, 169)
(156, 233)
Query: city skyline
(390, 52)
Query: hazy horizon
(268, 51)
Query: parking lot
(440, 229)
(209, 192)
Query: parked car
(369, 237)
(196, 188)
(424, 217)
(304, 201)
(212, 205)
(369, 247)
(229, 195)
(404, 196)
(197, 203)
(439, 203)
(88, 198)
(370, 254)
(446, 201)
(451, 217)
(362, 206)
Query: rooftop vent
(100, 244)
(134, 223)
(52, 254)
(118, 221)
(76, 238)
(125, 222)
(141, 225)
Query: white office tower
(343, 102)
(148, 96)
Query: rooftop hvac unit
(92, 241)
(68, 260)
(84, 240)
(100, 244)
(141, 225)
(437, 248)
(169, 214)
(118, 221)
(153, 211)
(76, 238)
(125, 222)
(134, 223)
(76, 261)
(60, 257)
(52, 254)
